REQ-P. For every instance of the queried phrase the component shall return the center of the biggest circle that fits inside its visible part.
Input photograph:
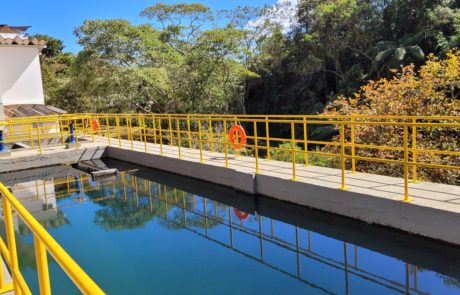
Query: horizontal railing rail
(44, 243)
(269, 137)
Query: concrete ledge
(435, 219)
(219, 175)
(413, 218)
(30, 159)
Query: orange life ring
(241, 215)
(242, 137)
(95, 124)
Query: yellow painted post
(211, 136)
(170, 131)
(200, 141)
(2, 281)
(117, 122)
(237, 133)
(161, 136)
(178, 138)
(42, 266)
(130, 130)
(342, 155)
(143, 131)
(76, 132)
(189, 135)
(91, 126)
(9, 226)
(154, 130)
(414, 150)
(38, 138)
(353, 149)
(108, 128)
(61, 131)
(267, 135)
(305, 140)
(293, 151)
(31, 138)
(406, 165)
(256, 147)
(225, 143)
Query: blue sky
(58, 18)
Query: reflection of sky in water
(134, 236)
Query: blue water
(147, 232)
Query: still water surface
(148, 232)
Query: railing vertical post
(117, 122)
(8, 216)
(130, 130)
(342, 154)
(267, 135)
(225, 143)
(305, 140)
(76, 131)
(170, 131)
(39, 138)
(293, 151)
(414, 150)
(178, 137)
(353, 149)
(108, 129)
(42, 266)
(189, 136)
(61, 130)
(31, 138)
(143, 130)
(154, 129)
(211, 135)
(406, 165)
(92, 127)
(160, 134)
(200, 141)
(256, 146)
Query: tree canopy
(188, 58)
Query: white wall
(20, 76)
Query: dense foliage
(281, 59)
(433, 90)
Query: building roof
(29, 110)
(14, 35)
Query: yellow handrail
(44, 243)
(208, 132)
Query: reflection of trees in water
(446, 280)
(118, 214)
(145, 200)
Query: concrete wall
(20, 76)
(416, 219)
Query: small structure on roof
(21, 88)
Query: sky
(58, 18)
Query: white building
(21, 88)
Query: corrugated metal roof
(28, 110)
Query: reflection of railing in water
(132, 188)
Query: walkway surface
(442, 196)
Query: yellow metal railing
(267, 136)
(44, 244)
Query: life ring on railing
(241, 134)
(95, 123)
(241, 215)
